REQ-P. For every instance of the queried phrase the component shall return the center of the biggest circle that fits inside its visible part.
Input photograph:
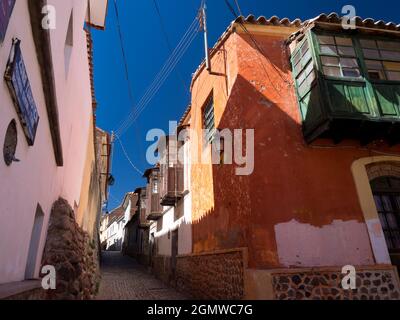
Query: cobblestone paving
(125, 279)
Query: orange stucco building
(308, 203)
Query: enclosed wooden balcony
(153, 207)
(156, 209)
(348, 86)
(172, 185)
(144, 223)
(171, 172)
(141, 207)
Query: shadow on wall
(308, 187)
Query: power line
(231, 9)
(126, 68)
(136, 114)
(115, 199)
(161, 76)
(121, 42)
(168, 42)
(258, 47)
(237, 5)
(127, 157)
(162, 72)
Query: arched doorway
(386, 192)
(33, 254)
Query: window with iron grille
(386, 192)
(208, 119)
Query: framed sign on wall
(20, 90)
(6, 8)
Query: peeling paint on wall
(337, 244)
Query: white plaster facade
(163, 237)
(115, 233)
(36, 179)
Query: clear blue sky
(147, 52)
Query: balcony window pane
(393, 75)
(306, 57)
(326, 40)
(296, 58)
(311, 77)
(301, 77)
(393, 55)
(344, 41)
(332, 71)
(328, 49)
(330, 61)
(373, 64)
(309, 68)
(346, 51)
(389, 45)
(376, 74)
(368, 43)
(155, 187)
(395, 66)
(348, 62)
(304, 48)
(297, 68)
(347, 72)
(303, 88)
(371, 53)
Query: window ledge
(8, 290)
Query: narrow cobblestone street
(122, 278)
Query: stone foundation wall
(319, 284)
(217, 275)
(74, 255)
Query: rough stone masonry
(73, 254)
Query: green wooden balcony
(348, 87)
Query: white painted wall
(338, 244)
(127, 216)
(37, 179)
(115, 232)
(184, 230)
(183, 224)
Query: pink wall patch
(337, 244)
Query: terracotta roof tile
(286, 22)
(89, 41)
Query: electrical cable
(168, 43)
(161, 74)
(259, 48)
(237, 5)
(157, 83)
(126, 69)
(127, 157)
